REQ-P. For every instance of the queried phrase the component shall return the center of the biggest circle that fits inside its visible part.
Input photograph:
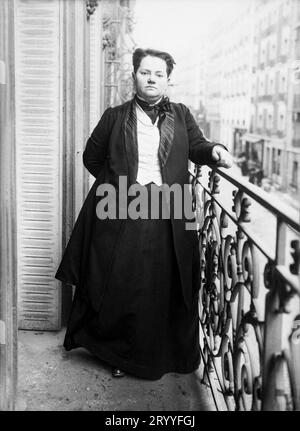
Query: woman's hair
(139, 54)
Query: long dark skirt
(143, 326)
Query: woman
(137, 280)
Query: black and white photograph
(149, 208)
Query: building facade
(293, 178)
(229, 64)
(274, 120)
(189, 76)
(188, 82)
(213, 86)
(252, 88)
(235, 104)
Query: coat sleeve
(200, 149)
(95, 151)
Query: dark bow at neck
(157, 110)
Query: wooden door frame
(76, 102)
(8, 242)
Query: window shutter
(38, 139)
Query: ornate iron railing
(249, 300)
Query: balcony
(266, 98)
(51, 379)
(249, 302)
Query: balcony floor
(52, 379)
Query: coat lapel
(131, 144)
(166, 137)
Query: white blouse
(148, 142)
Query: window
(285, 37)
(261, 88)
(270, 18)
(273, 161)
(270, 83)
(278, 162)
(283, 84)
(273, 47)
(281, 119)
(286, 8)
(270, 121)
(294, 182)
(268, 162)
(273, 51)
(263, 51)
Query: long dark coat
(109, 154)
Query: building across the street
(250, 81)
(273, 141)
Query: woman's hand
(222, 157)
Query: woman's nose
(151, 79)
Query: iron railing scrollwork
(249, 297)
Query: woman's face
(151, 78)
